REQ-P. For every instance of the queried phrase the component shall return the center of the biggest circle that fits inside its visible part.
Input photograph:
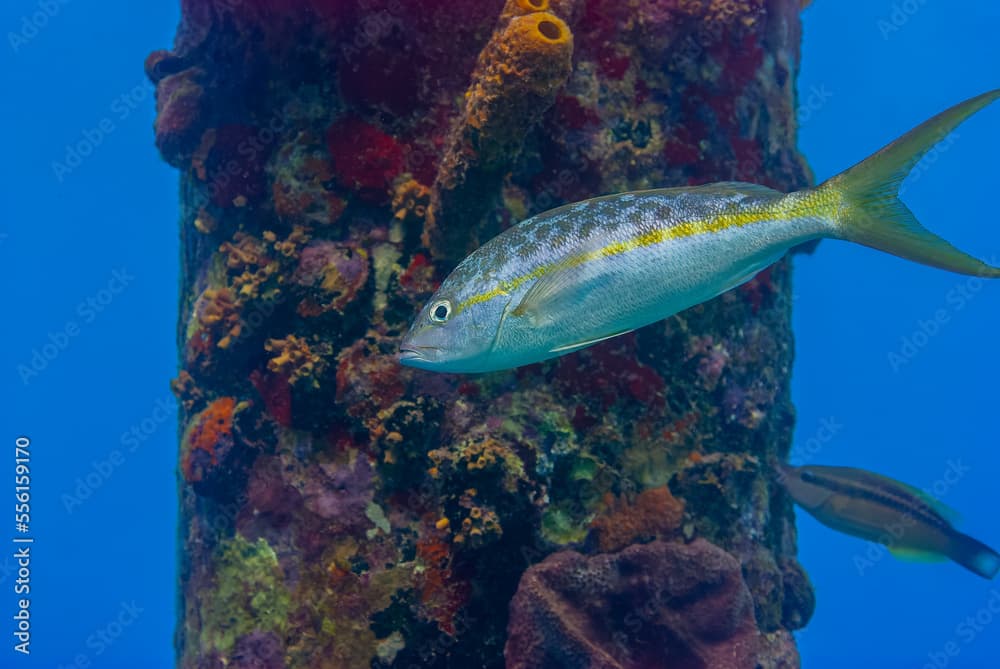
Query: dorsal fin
(735, 188)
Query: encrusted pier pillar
(337, 157)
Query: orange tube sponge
(519, 73)
(516, 80)
(521, 7)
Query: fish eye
(441, 311)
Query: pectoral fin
(548, 291)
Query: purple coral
(654, 605)
(257, 650)
(338, 271)
(339, 492)
(712, 359)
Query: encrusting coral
(208, 439)
(299, 171)
(654, 514)
(295, 360)
(248, 596)
(340, 511)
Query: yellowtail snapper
(909, 522)
(589, 271)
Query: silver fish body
(612, 264)
(575, 275)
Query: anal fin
(916, 555)
(566, 348)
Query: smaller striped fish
(877, 508)
(589, 271)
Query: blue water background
(933, 410)
(96, 564)
(96, 408)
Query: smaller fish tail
(871, 213)
(974, 555)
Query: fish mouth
(409, 353)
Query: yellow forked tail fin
(871, 212)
